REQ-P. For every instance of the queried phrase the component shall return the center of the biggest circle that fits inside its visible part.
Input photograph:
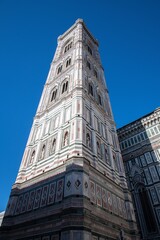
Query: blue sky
(128, 32)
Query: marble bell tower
(71, 183)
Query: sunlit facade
(71, 183)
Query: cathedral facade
(71, 184)
(140, 145)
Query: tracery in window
(59, 69)
(65, 87)
(66, 139)
(67, 47)
(68, 62)
(53, 95)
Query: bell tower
(71, 182)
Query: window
(145, 135)
(66, 139)
(53, 95)
(89, 50)
(139, 139)
(32, 156)
(142, 137)
(43, 151)
(135, 139)
(155, 129)
(90, 89)
(98, 148)
(122, 145)
(99, 99)
(88, 65)
(115, 161)
(65, 87)
(53, 146)
(68, 62)
(132, 141)
(59, 69)
(126, 144)
(129, 143)
(95, 73)
(88, 140)
(67, 47)
(106, 156)
(152, 131)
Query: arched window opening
(53, 146)
(89, 50)
(43, 151)
(88, 140)
(95, 73)
(65, 87)
(106, 156)
(68, 62)
(98, 148)
(32, 156)
(88, 65)
(59, 69)
(66, 139)
(54, 94)
(99, 100)
(115, 162)
(90, 89)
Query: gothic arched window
(88, 65)
(95, 73)
(68, 62)
(53, 146)
(66, 139)
(90, 89)
(99, 99)
(43, 151)
(65, 87)
(106, 155)
(115, 161)
(89, 50)
(32, 156)
(98, 148)
(59, 70)
(53, 94)
(88, 140)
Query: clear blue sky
(129, 35)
